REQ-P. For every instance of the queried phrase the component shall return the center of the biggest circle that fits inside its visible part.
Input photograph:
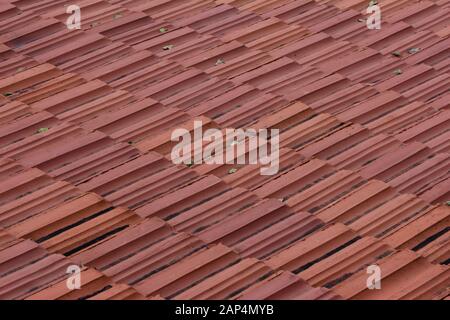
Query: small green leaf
(413, 50)
(396, 54)
(373, 3)
(189, 164)
(168, 47)
(448, 203)
(117, 16)
(42, 130)
(7, 94)
(163, 30)
(361, 20)
(398, 72)
(220, 61)
(231, 171)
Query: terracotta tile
(85, 150)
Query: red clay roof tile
(85, 142)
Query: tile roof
(86, 117)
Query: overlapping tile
(85, 145)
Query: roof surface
(86, 177)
